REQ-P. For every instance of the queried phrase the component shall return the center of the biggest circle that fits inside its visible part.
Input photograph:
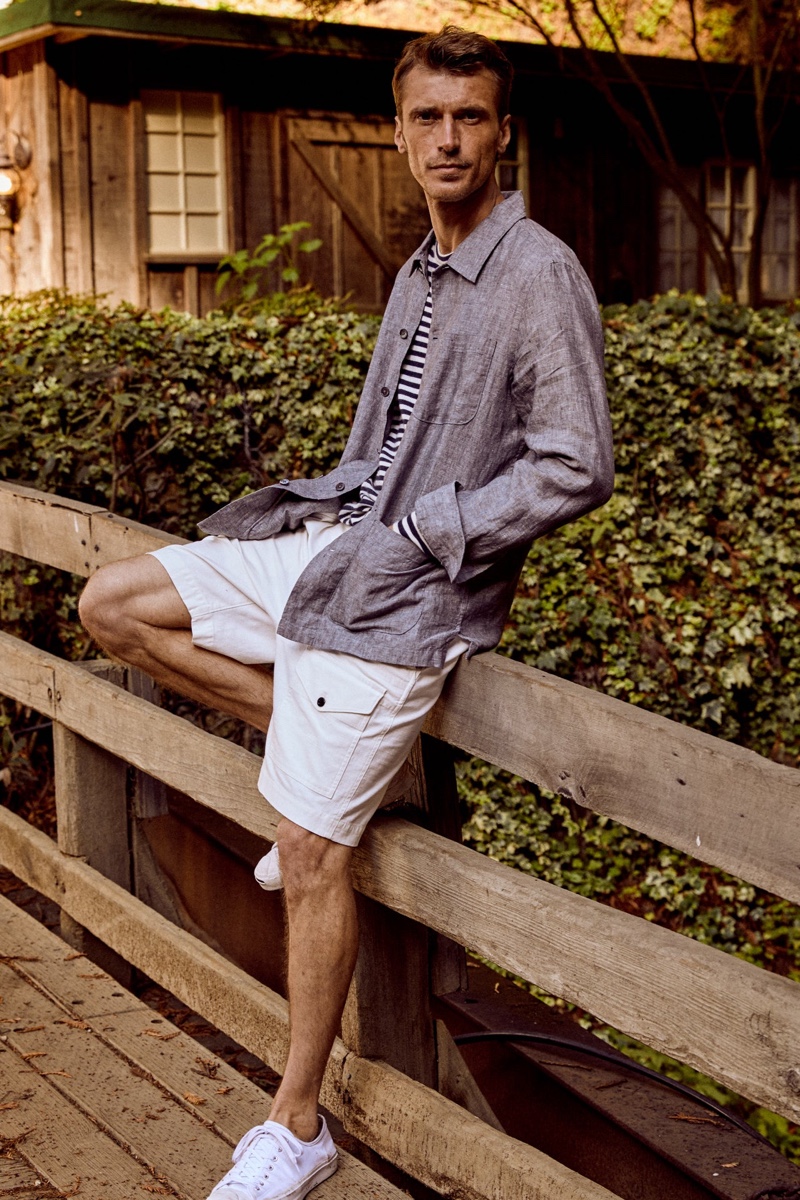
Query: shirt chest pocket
(454, 379)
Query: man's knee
(107, 607)
(310, 862)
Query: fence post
(91, 788)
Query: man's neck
(453, 223)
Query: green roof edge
(195, 24)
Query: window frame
(183, 255)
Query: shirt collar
(470, 256)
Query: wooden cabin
(162, 138)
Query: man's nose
(449, 136)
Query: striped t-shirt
(402, 406)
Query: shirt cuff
(407, 526)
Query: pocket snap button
(403, 333)
(283, 482)
(384, 391)
(340, 487)
(321, 702)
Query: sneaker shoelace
(251, 1156)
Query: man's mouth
(448, 166)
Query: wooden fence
(722, 804)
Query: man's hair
(461, 52)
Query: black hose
(636, 1068)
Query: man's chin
(449, 191)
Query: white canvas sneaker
(270, 1163)
(268, 871)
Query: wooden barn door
(345, 177)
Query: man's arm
(565, 467)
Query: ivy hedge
(680, 595)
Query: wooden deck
(103, 1099)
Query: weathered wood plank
(170, 1139)
(114, 538)
(714, 800)
(62, 1144)
(28, 675)
(47, 166)
(225, 1099)
(76, 189)
(116, 271)
(374, 1101)
(46, 528)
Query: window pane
(200, 153)
(716, 186)
(202, 193)
(163, 152)
(166, 234)
(199, 113)
(669, 229)
(204, 233)
(164, 193)
(160, 111)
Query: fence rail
(721, 803)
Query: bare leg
(323, 943)
(133, 610)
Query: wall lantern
(11, 179)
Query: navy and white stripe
(402, 406)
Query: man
(366, 586)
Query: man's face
(450, 130)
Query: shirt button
(384, 391)
(321, 702)
(403, 333)
(340, 487)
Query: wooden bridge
(136, 875)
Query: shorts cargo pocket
(314, 735)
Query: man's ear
(504, 136)
(399, 140)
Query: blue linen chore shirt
(510, 438)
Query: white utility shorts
(341, 727)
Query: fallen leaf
(96, 975)
(698, 1120)
(736, 1164)
(190, 1096)
(11, 1104)
(10, 958)
(72, 1024)
(76, 954)
(162, 1037)
(208, 1067)
(35, 1054)
(29, 1029)
(152, 1187)
(223, 1091)
(66, 1074)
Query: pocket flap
(333, 685)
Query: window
(185, 173)
(512, 169)
(730, 200)
(779, 252)
(677, 240)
